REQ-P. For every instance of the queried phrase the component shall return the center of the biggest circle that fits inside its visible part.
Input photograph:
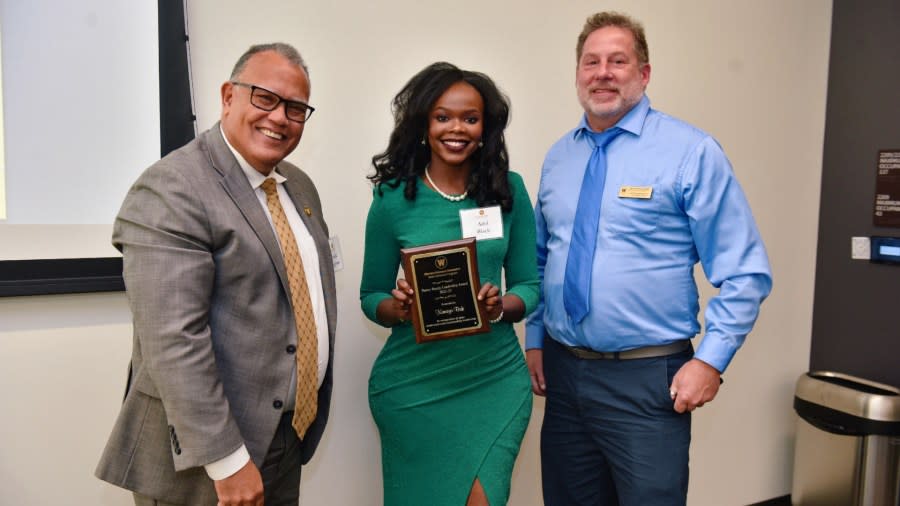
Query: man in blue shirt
(609, 345)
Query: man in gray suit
(207, 416)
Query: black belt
(645, 352)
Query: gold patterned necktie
(307, 337)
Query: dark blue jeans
(610, 434)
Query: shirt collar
(633, 121)
(254, 176)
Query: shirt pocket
(629, 215)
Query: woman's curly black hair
(405, 158)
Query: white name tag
(336, 258)
(482, 223)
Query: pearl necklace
(451, 198)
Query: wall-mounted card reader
(886, 250)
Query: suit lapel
(313, 223)
(235, 183)
(304, 209)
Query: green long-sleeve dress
(453, 410)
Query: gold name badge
(635, 192)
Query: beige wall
(753, 74)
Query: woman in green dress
(451, 413)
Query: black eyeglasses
(266, 100)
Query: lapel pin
(307, 210)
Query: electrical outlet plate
(860, 248)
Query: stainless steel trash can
(847, 451)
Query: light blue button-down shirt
(642, 287)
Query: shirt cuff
(717, 356)
(534, 335)
(223, 468)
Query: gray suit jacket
(205, 279)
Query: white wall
(751, 73)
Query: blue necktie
(580, 262)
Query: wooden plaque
(445, 283)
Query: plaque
(887, 189)
(445, 283)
